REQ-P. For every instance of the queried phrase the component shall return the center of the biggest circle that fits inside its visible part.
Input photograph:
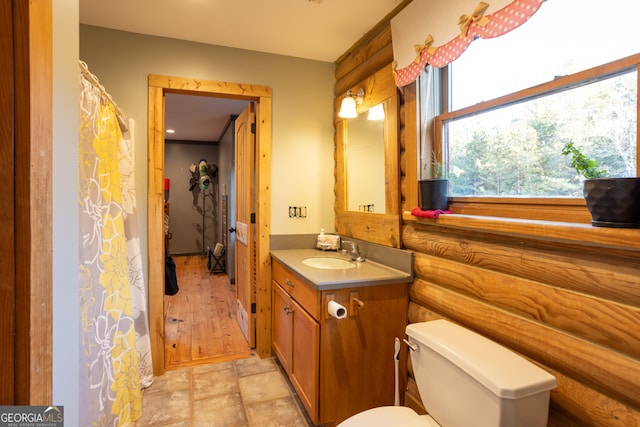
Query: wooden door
(245, 232)
(7, 236)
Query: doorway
(261, 95)
(198, 166)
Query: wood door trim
(158, 86)
(31, 221)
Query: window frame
(566, 209)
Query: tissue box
(328, 242)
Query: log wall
(565, 296)
(572, 310)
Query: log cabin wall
(565, 296)
(568, 304)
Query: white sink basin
(328, 263)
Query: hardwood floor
(200, 320)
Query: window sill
(567, 232)
(558, 209)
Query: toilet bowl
(465, 379)
(388, 416)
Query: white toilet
(466, 380)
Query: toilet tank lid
(499, 369)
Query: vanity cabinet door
(305, 359)
(281, 326)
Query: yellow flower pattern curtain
(115, 345)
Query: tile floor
(249, 392)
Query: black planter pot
(433, 194)
(613, 202)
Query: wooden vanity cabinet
(295, 338)
(339, 367)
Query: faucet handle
(354, 246)
(355, 251)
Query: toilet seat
(388, 416)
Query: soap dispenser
(320, 242)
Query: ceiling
(199, 118)
(312, 29)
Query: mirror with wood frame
(364, 160)
(379, 226)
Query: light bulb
(348, 108)
(376, 112)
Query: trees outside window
(516, 150)
(516, 100)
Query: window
(567, 75)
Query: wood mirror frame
(381, 228)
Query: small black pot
(613, 202)
(433, 194)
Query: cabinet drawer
(305, 294)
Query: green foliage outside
(518, 150)
(582, 164)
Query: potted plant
(433, 190)
(612, 202)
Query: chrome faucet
(355, 252)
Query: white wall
(66, 287)
(302, 131)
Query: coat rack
(204, 203)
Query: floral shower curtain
(115, 345)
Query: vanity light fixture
(349, 103)
(376, 112)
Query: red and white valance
(437, 32)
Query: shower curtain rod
(84, 71)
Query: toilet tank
(466, 380)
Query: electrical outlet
(297, 211)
